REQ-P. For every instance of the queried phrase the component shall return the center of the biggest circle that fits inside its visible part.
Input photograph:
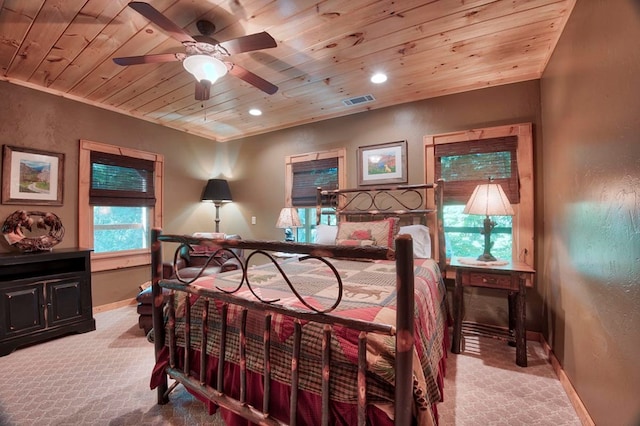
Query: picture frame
(382, 164)
(31, 176)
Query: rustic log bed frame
(403, 331)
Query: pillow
(213, 235)
(355, 242)
(421, 240)
(381, 232)
(198, 249)
(326, 234)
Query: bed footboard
(215, 391)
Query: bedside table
(511, 278)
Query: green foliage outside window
(463, 237)
(307, 232)
(462, 232)
(120, 228)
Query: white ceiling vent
(358, 100)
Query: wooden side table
(514, 278)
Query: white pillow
(326, 234)
(421, 240)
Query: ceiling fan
(204, 57)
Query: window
(466, 159)
(308, 176)
(304, 174)
(463, 238)
(117, 228)
(463, 166)
(119, 203)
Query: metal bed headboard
(421, 201)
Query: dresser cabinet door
(64, 301)
(22, 309)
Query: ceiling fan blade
(248, 43)
(203, 90)
(149, 59)
(253, 79)
(152, 14)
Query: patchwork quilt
(369, 294)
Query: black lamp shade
(217, 190)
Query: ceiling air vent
(358, 100)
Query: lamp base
(486, 257)
(486, 231)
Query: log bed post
(404, 330)
(158, 304)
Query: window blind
(118, 180)
(464, 165)
(308, 175)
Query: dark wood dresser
(44, 295)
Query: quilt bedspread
(369, 294)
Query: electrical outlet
(253, 220)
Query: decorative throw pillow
(213, 235)
(198, 249)
(361, 234)
(381, 232)
(356, 242)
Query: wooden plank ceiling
(327, 51)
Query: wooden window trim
(523, 220)
(124, 259)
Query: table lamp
(488, 200)
(217, 192)
(288, 218)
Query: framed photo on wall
(382, 164)
(31, 176)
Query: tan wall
(590, 176)
(41, 121)
(587, 299)
(261, 181)
(254, 166)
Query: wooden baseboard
(581, 410)
(114, 305)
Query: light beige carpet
(102, 378)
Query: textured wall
(261, 181)
(254, 166)
(41, 121)
(591, 181)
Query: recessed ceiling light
(255, 111)
(378, 78)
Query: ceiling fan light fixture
(205, 67)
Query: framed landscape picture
(382, 164)
(31, 176)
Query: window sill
(119, 260)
